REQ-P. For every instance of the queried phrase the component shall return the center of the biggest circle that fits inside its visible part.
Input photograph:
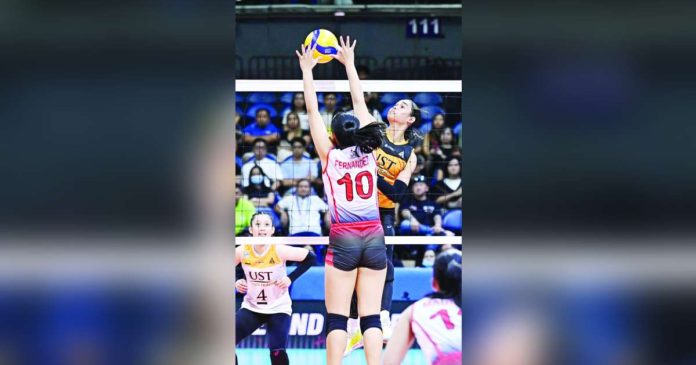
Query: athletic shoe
(354, 342)
(385, 318)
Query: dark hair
(262, 174)
(257, 140)
(447, 271)
(259, 110)
(303, 180)
(411, 132)
(298, 140)
(346, 128)
(447, 166)
(253, 216)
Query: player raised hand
(307, 62)
(346, 51)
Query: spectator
(271, 169)
(261, 128)
(327, 113)
(299, 165)
(292, 131)
(431, 142)
(243, 210)
(420, 215)
(447, 150)
(257, 191)
(428, 258)
(300, 214)
(372, 102)
(299, 107)
(448, 191)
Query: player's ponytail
(347, 132)
(447, 271)
(369, 137)
(411, 133)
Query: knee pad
(336, 322)
(372, 321)
(279, 357)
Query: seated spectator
(243, 210)
(428, 258)
(431, 143)
(300, 214)
(372, 102)
(299, 165)
(300, 108)
(261, 128)
(445, 151)
(420, 215)
(448, 191)
(257, 189)
(291, 132)
(329, 110)
(271, 169)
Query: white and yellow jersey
(261, 271)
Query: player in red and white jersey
(434, 321)
(356, 258)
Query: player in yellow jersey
(266, 287)
(396, 161)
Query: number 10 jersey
(350, 182)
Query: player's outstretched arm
(305, 257)
(346, 55)
(317, 129)
(401, 340)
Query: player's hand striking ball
(346, 53)
(307, 62)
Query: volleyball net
(278, 171)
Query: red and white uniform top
(437, 326)
(350, 182)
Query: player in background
(396, 162)
(356, 257)
(267, 299)
(434, 321)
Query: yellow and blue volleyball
(326, 44)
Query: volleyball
(326, 43)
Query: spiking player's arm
(317, 129)
(346, 55)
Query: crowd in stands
(278, 170)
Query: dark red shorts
(358, 244)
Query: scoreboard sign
(424, 28)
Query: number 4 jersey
(261, 271)
(437, 326)
(350, 182)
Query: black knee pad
(336, 322)
(279, 357)
(368, 322)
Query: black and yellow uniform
(392, 158)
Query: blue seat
(385, 111)
(251, 112)
(423, 99)
(286, 98)
(238, 97)
(457, 129)
(392, 98)
(429, 111)
(261, 97)
(452, 221)
(239, 111)
(425, 128)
